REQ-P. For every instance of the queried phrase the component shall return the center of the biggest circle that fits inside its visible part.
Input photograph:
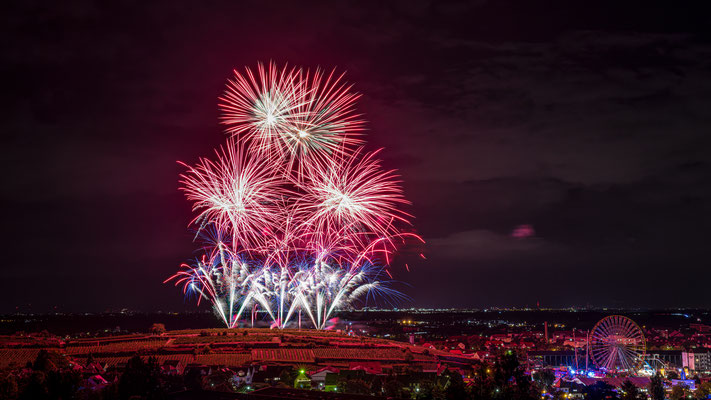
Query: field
(222, 347)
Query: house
(481, 355)
(96, 382)
(700, 327)
(501, 337)
(95, 368)
(202, 369)
(172, 367)
(319, 376)
(369, 367)
(243, 378)
(494, 343)
(331, 382)
(269, 374)
(431, 367)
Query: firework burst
(296, 115)
(353, 194)
(238, 193)
(324, 125)
(295, 217)
(259, 106)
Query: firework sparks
(237, 192)
(324, 124)
(356, 193)
(295, 217)
(260, 106)
(294, 114)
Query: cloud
(477, 245)
(589, 108)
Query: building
(552, 358)
(670, 358)
(697, 361)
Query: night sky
(553, 153)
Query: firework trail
(322, 289)
(295, 217)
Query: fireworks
(355, 193)
(238, 193)
(294, 216)
(292, 115)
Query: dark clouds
(590, 124)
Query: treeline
(52, 377)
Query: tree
(193, 379)
(354, 386)
(656, 387)
(8, 387)
(157, 329)
(63, 384)
(544, 378)
(46, 361)
(393, 388)
(153, 377)
(376, 386)
(286, 378)
(133, 380)
(36, 388)
(509, 380)
(428, 390)
(678, 392)
(110, 392)
(455, 390)
(506, 367)
(703, 390)
(140, 378)
(482, 385)
(630, 391)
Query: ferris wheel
(616, 343)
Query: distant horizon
(127, 311)
(456, 319)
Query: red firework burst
(292, 113)
(239, 193)
(353, 195)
